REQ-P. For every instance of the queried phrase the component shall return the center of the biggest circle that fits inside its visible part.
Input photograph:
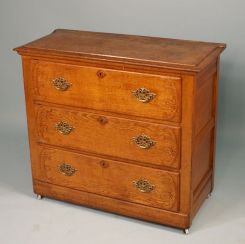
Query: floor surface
(26, 220)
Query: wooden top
(154, 51)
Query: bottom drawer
(133, 183)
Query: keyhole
(104, 164)
(101, 74)
(103, 120)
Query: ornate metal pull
(144, 141)
(64, 128)
(61, 84)
(143, 95)
(143, 185)
(66, 169)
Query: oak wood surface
(111, 178)
(106, 116)
(109, 135)
(127, 48)
(204, 135)
(113, 92)
(126, 208)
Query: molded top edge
(154, 51)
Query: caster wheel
(39, 197)
(186, 231)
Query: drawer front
(134, 140)
(153, 187)
(137, 94)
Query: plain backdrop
(209, 20)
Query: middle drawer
(151, 143)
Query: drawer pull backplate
(66, 169)
(61, 84)
(144, 141)
(143, 185)
(143, 95)
(64, 128)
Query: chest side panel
(204, 134)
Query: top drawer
(131, 93)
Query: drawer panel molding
(131, 93)
(123, 123)
(151, 143)
(115, 179)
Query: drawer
(130, 139)
(131, 93)
(143, 185)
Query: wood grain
(204, 135)
(113, 137)
(151, 51)
(103, 70)
(111, 178)
(130, 209)
(110, 93)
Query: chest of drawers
(123, 123)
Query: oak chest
(123, 123)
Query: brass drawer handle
(61, 84)
(143, 185)
(143, 95)
(64, 128)
(144, 141)
(66, 169)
